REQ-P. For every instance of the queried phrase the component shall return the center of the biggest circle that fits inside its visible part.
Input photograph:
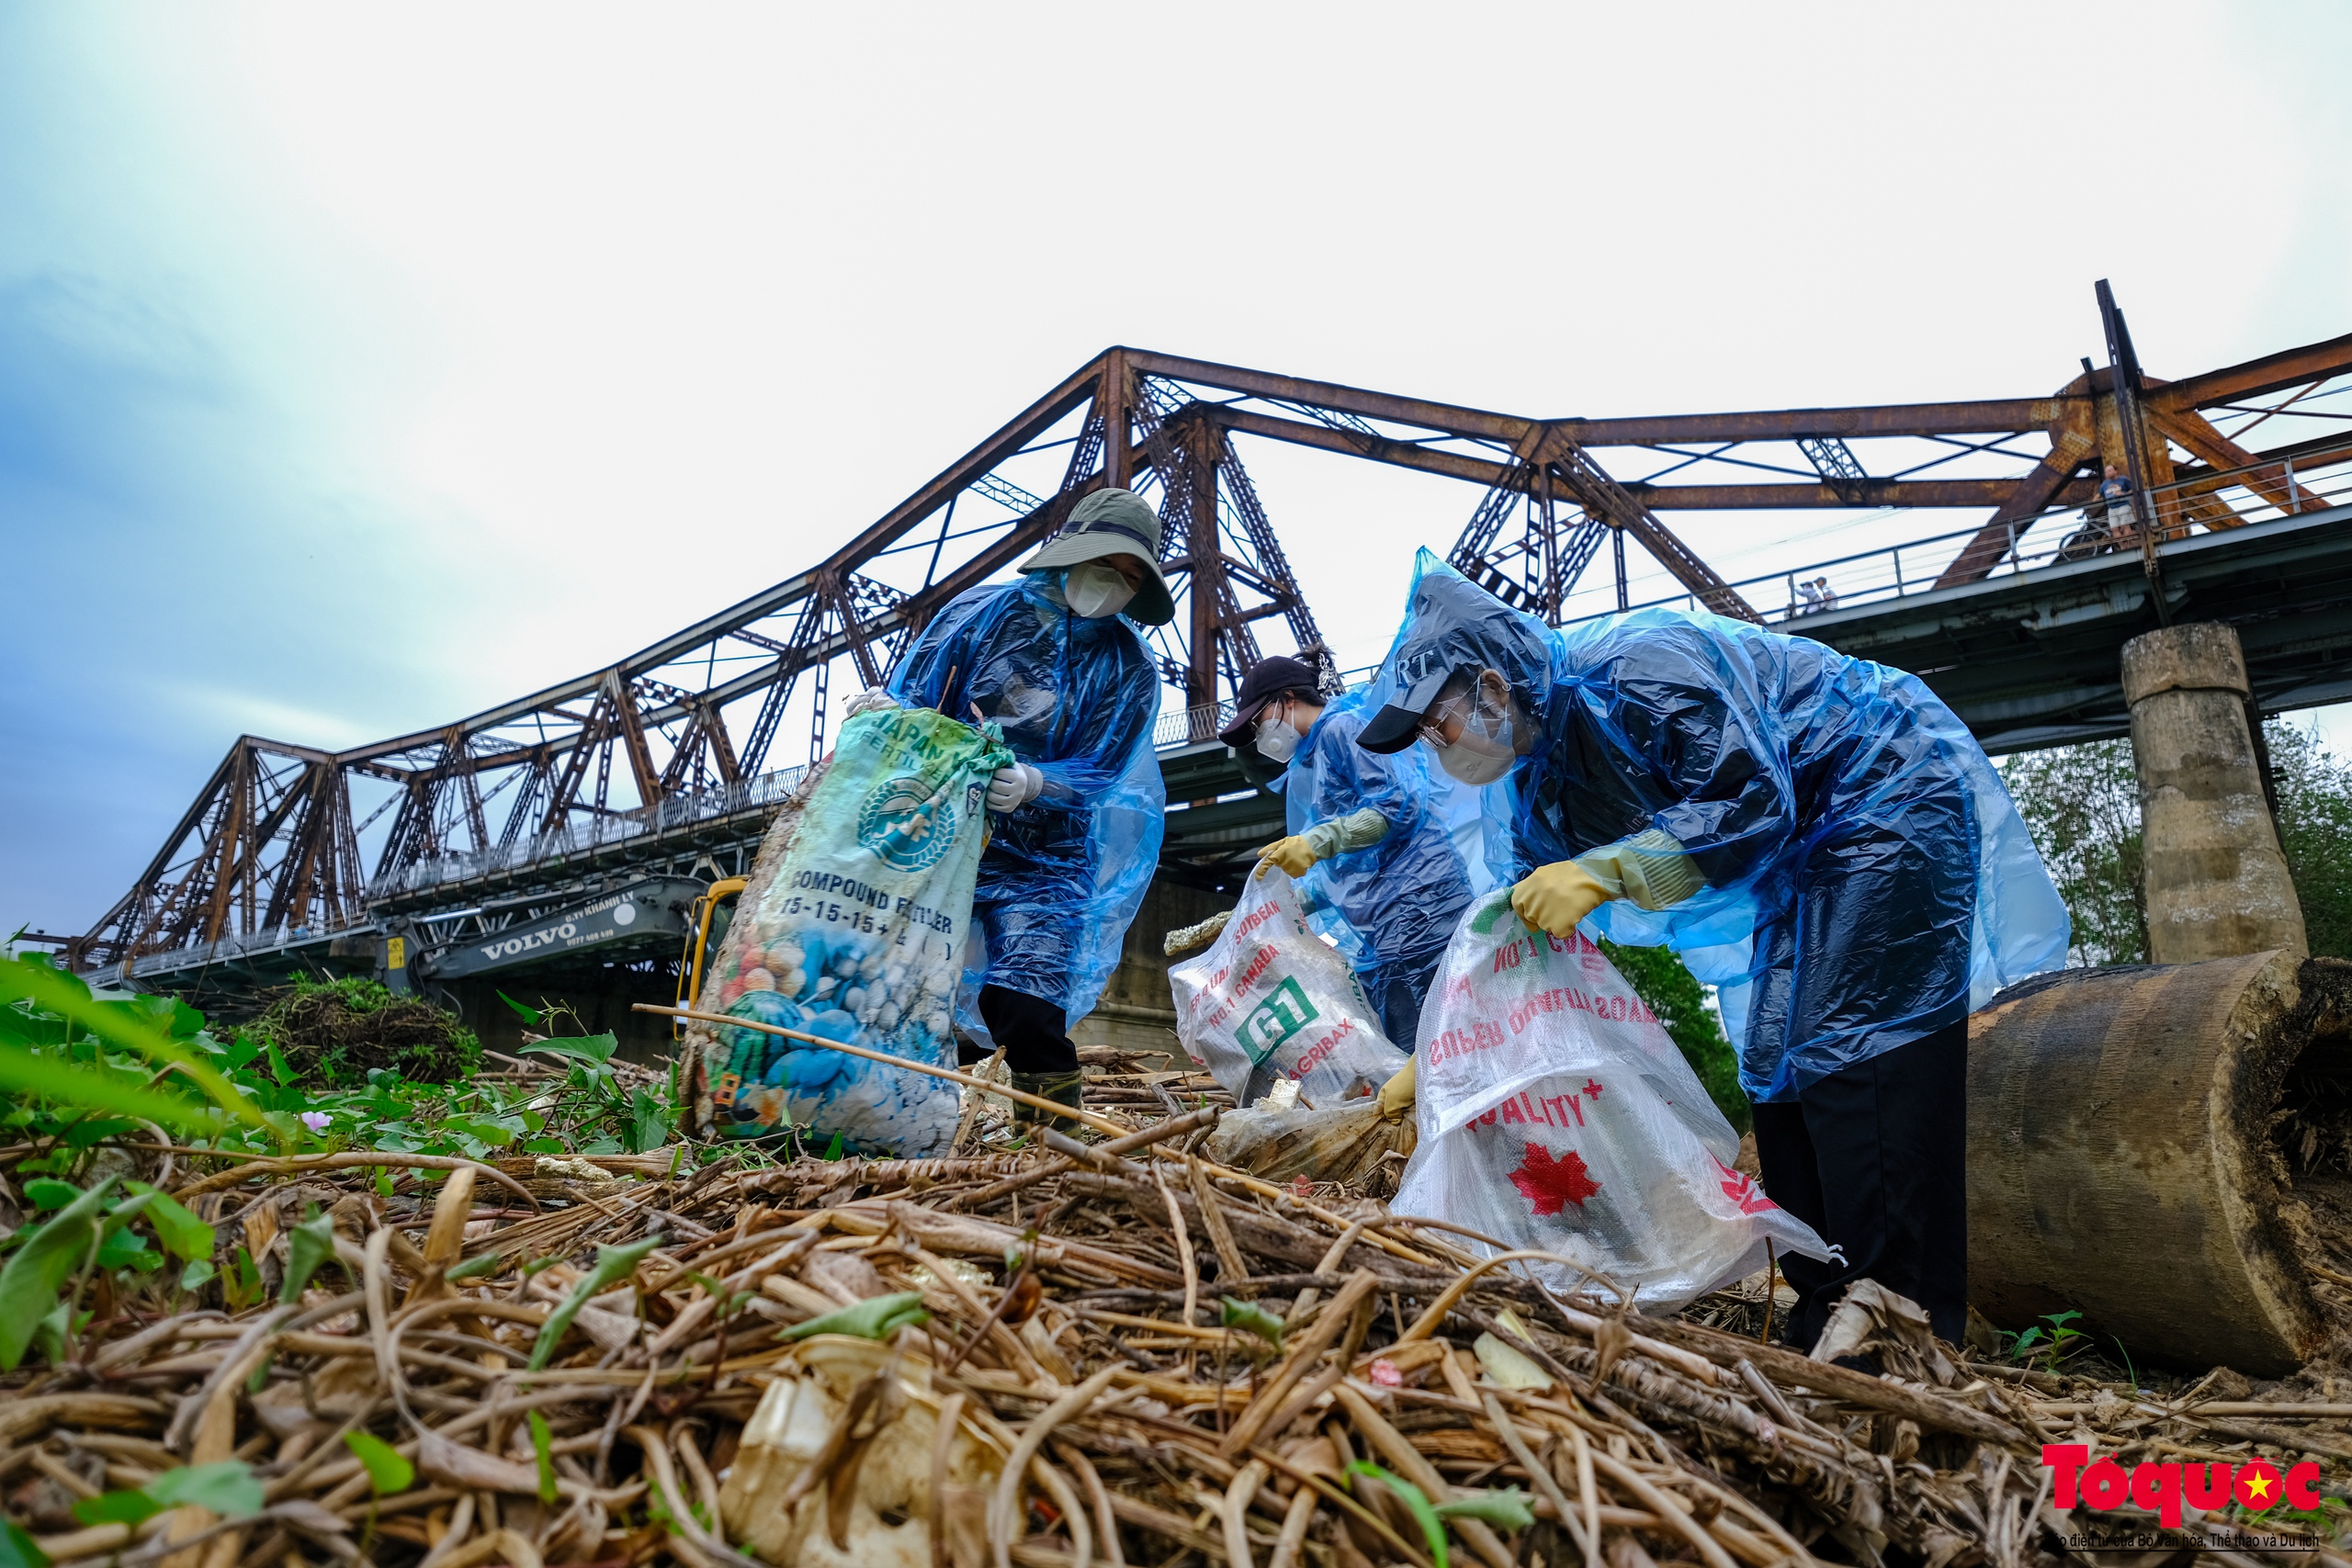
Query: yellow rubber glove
(1396, 1094)
(1557, 897)
(1294, 854)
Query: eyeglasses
(1433, 725)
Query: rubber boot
(1062, 1088)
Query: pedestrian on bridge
(1821, 839)
(1368, 836)
(1075, 821)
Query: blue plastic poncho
(1063, 875)
(1392, 905)
(1867, 879)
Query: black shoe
(1062, 1088)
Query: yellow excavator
(707, 925)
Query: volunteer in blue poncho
(1366, 835)
(1819, 836)
(1076, 822)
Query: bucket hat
(1114, 522)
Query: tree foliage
(2082, 806)
(2315, 830)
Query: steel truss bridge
(667, 760)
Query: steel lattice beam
(271, 840)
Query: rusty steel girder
(272, 840)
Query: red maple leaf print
(1547, 1181)
(1742, 1190)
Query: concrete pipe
(2125, 1159)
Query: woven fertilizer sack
(1270, 1001)
(859, 937)
(1556, 1115)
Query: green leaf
(241, 1285)
(229, 1488)
(875, 1318)
(543, 1447)
(1253, 1318)
(279, 1067)
(18, 1550)
(613, 1263)
(487, 1263)
(1506, 1509)
(594, 1048)
(122, 1213)
(53, 1077)
(1416, 1502)
(649, 1121)
(196, 1275)
(833, 1149)
(97, 1129)
(128, 1508)
(48, 1334)
(47, 1192)
(36, 1272)
(181, 1233)
(70, 998)
(125, 1250)
(308, 1246)
(529, 1015)
(387, 1471)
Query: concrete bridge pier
(2216, 879)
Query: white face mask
(1277, 741)
(1485, 750)
(1095, 590)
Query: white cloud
(563, 325)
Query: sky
(362, 366)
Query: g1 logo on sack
(907, 824)
(1283, 1013)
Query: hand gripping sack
(1556, 1115)
(859, 938)
(1269, 999)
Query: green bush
(334, 1033)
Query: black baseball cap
(1268, 679)
(1452, 625)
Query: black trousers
(1033, 1030)
(1874, 1158)
(1397, 992)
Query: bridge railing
(1187, 726)
(600, 832)
(2260, 493)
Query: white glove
(1013, 787)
